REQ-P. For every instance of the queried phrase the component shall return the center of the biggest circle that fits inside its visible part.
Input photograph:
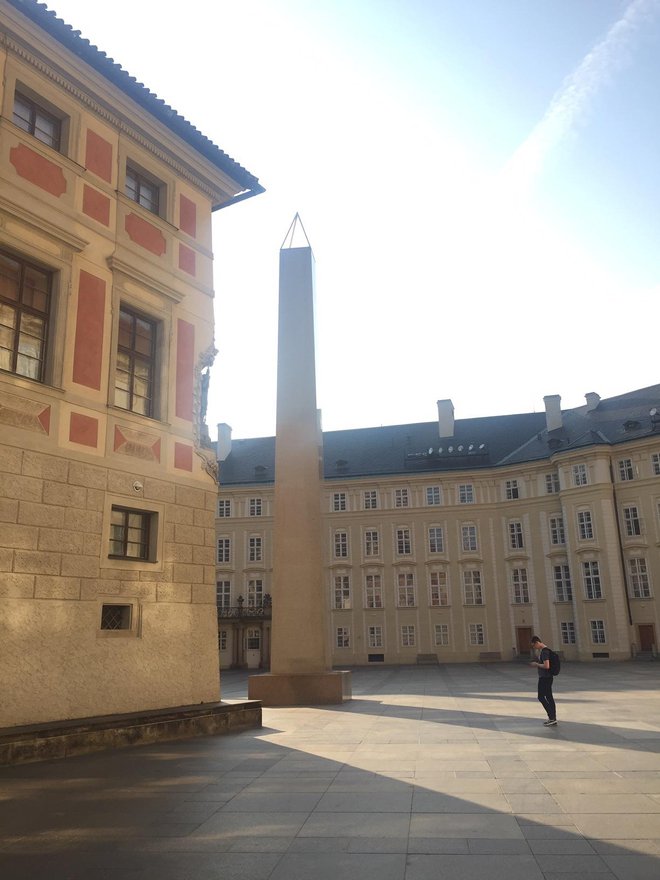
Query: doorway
(523, 640)
(646, 637)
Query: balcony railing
(246, 612)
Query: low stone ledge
(79, 736)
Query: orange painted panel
(186, 259)
(88, 346)
(83, 430)
(185, 365)
(145, 234)
(38, 170)
(187, 216)
(96, 205)
(183, 457)
(98, 156)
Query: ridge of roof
(72, 40)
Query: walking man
(545, 680)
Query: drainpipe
(620, 541)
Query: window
(442, 635)
(466, 493)
(25, 296)
(403, 544)
(255, 593)
(552, 484)
(143, 189)
(223, 594)
(222, 640)
(406, 590)
(371, 543)
(375, 636)
(598, 632)
(639, 578)
(469, 537)
(476, 634)
(562, 579)
(255, 507)
(631, 521)
(255, 548)
(339, 501)
(224, 507)
(516, 540)
(342, 591)
(44, 126)
(520, 586)
(343, 638)
(374, 591)
(433, 496)
(130, 532)
(136, 363)
(439, 592)
(567, 632)
(436, 540)
(407, 636)
(580, 477)
(253, 640)
(224, 550)
(557, 533)
(371, 499)
(472, 588)
(626, 469)
(655, 464)
(591, 575)
(341, 545)
(401, 498)
(511, 490)
(585, 525)
(114, 617)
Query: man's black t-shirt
(543, 656)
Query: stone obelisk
(300, 670)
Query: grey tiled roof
(490, 441)
(108, 68)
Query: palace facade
(107, 485)
(456, 540)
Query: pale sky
(479, 181)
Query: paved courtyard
(429, 773)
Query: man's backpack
(555, 662)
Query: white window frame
(442, 635)
(632, 521)
(223, 550)
(567, 628)
(598, 634)
(626, 470)
(339, 502)
(401, 497)
(436, 536)
(580, 474)
(343, 637)
(255, 507)
(473, 590)
(438, 589)
(561, 578)
(585, 525)
(516, 535)
(371, 542)
(433, 496)
(552, 484)
(520, 586)
(370, 499)
(655, 464)
(342, 592)
(465, 493)
(638, 572)
(511, 490)
(340, 542)
(224, 508)
(593, 588)
(375, 636)
(405, 591)
(255, 548)
(373, 591)
(476, 635)
(557, 531)
(408, 635)
(403, 541)
(223, 594)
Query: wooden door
(524, 638)
(646, 636)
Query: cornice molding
(42, 226)
(119, 267)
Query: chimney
(224, 441)
(553, 419)
(446, 418)
(592, 399)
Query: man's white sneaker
(549, 722)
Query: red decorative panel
(88, 346)
(83, 430)
(145, 234)
(96, 205)
(98, 156)
(187, 259)
(187, 216)
(185, 364)
(183, 457)
(44, 419)
(38, 170)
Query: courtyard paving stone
(428, 772)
